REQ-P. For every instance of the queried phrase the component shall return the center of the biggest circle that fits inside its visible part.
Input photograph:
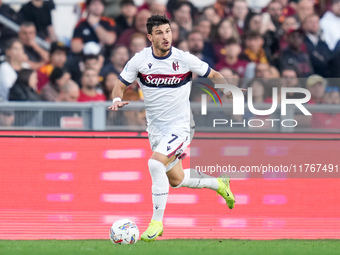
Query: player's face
(161, 37)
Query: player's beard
(163, 48)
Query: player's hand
(116, 105)
(230, 95)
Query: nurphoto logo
(239, 103)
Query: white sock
(196, 180)
(160, 188)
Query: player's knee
(176, 182)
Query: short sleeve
(198, 66)
(130, 71)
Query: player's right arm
(126, 77)
(117, 95)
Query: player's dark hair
(155, 21)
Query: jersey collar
(165, 57)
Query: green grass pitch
(171, 247)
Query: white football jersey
(166, 84)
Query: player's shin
(160, 188)
(196, 180)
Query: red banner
(74, 188)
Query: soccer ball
(124, 231)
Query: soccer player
(164, 74)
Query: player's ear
(149, 37)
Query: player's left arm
(217, 78)
(215, 75)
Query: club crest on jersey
(175, 65)
(150, 65)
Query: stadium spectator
(324, 119)
(227, 73)
(133, 118)
(262, 70)
(225, 30)
(118, 59)
(139, 26)
(183, 15)
(275, 10)
(290, 23)
(223, 8)
(261, 23)
(89, 82)
(304, 9)
(288, 10)
(211, 14)
(108, 84)
(5, 32)
(316, 85)
(232, 60)
(274, 73)
(258, 90)
(259, 96)
(204, 26)
(7, 118)
(25, 87)
(183, 45)
(253, 22)
(330, 23)
(290, 77)
(155, 7)
(331, 96)
(15, 61)
(159, 7)
(138, 43)
(39, 12)
(294, 56)
(58, 57)
(290, 80)
(95, 28)
(57, 80)
(254, 47)
(37, 56)
(124, 21)
(175, 32)
(91, 58)
(231, 76)
(317, 49)
(69, 92)
(240, 11)
(196, 44)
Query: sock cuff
(153, 163)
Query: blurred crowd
(288, 43)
